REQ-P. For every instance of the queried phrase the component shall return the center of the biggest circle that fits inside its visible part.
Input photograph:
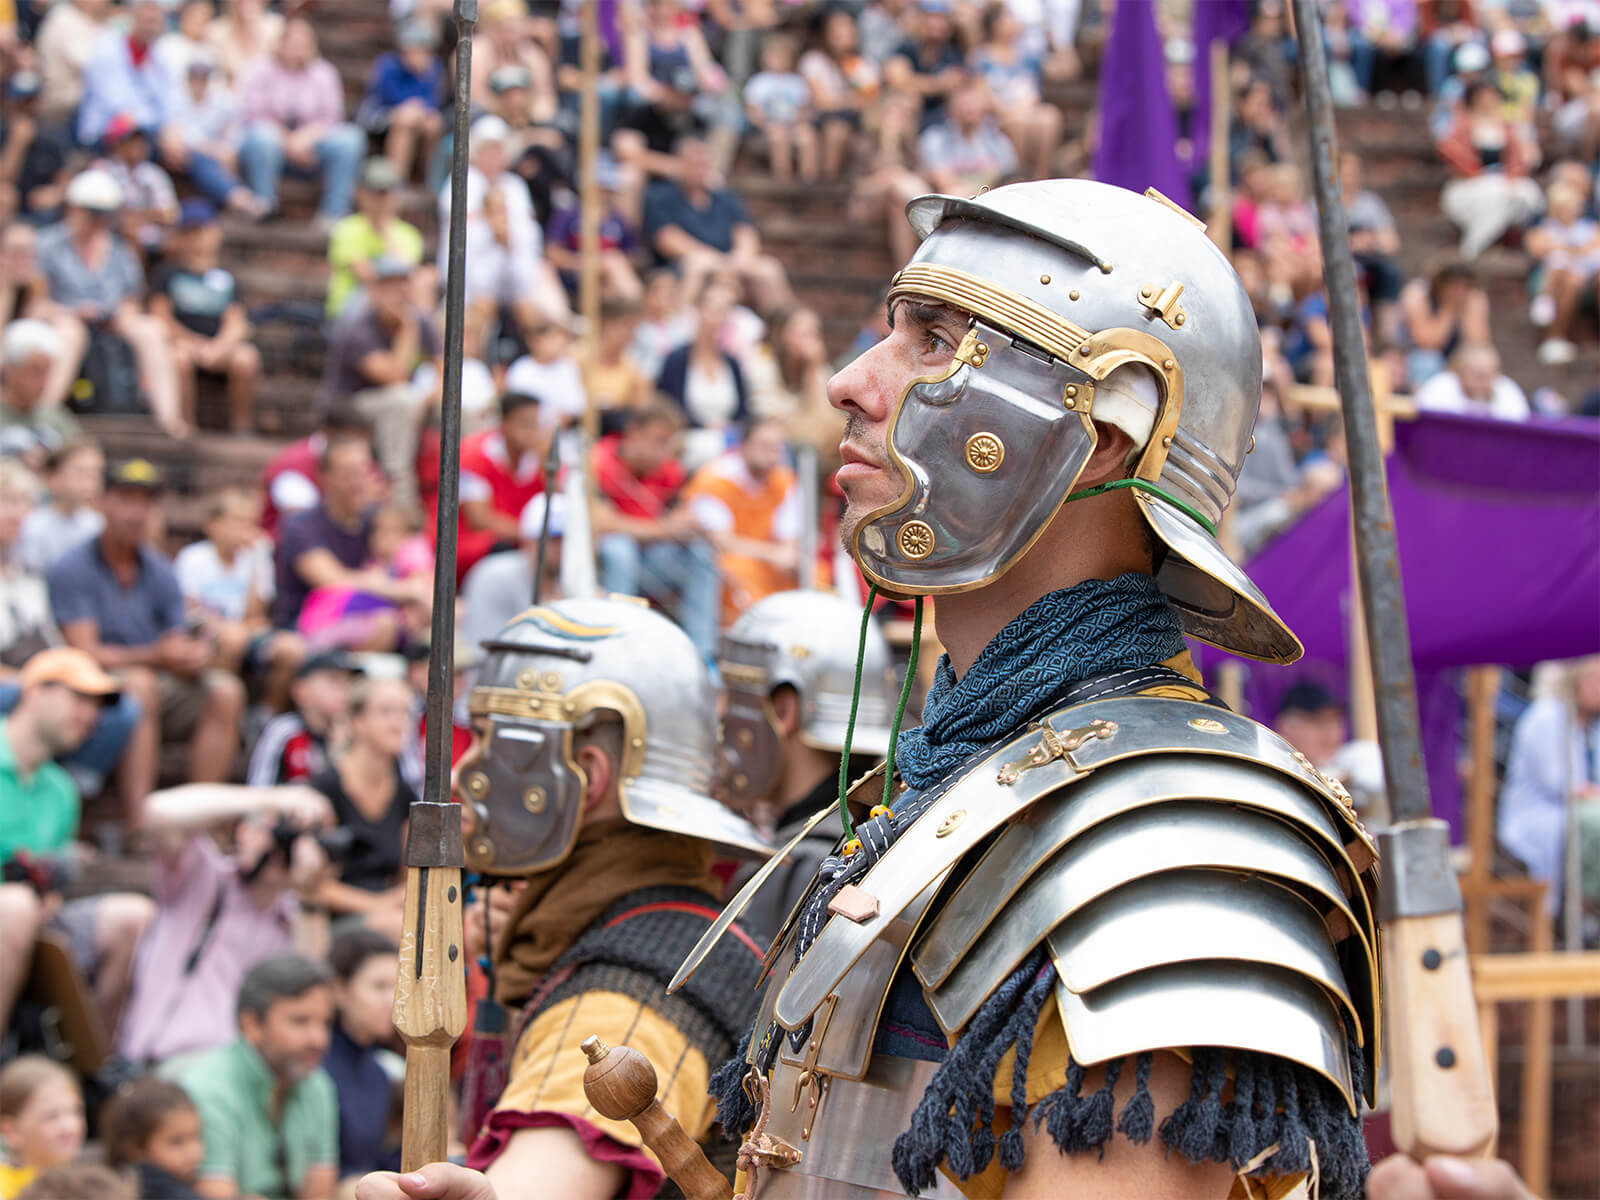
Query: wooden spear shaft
(430, 995)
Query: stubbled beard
(855, 432)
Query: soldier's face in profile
(922, 340)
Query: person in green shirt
(268, 1111)
(374, 230)
(63, 694)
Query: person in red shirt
(647, 545)
(501, 470)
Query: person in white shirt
(227, 584)
(505, 246)
(1473, 384)
(550, 371)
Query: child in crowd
(364, 1073)
(149, 201)
(777, 101)
(403, 95)
(665, 323)
(153, 1127)
(294, 746)
(75, 476)
(41, 1120)
(206, 321)
(86, 1181)
(355, 619)
(1567, 245)
(549, 370)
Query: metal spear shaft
(1443, 1099)
(430, 1001)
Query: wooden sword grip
(1441, 1095)
(621, 1084)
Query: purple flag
(1214, 20)
(1137, 148)
(1498, 525)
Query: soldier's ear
(1113, 456)
(599, 774)
(786, 710)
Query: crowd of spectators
(288, 645)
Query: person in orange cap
(63, 693)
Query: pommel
(619, 1081)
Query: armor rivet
(570, 707)
(916, 540)
(1178, 318)
(1207, 725)
(1073, 294)
(1431, 959)
(1072, 390)
(1446, 1057)
(811, 1103)
(1044, 279)
(951, 823)
(1147, 291)
(528, 680)
(745, 738)
(637, 743)
(1167, 441)
(477, 785)
(552, 681)
(1168, 364)
(1084, 349)
(1072, 403)
(741, 781)
(983, 347)
(483, 851)
(812, 1046)
(985, 453)
(533, 800)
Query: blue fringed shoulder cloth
(1279, 1118)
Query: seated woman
(371, 799)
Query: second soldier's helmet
(556, 671)
(807, 640)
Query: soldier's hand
(436, 1181)
(1399, 1178)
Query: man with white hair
(1474, 384)
(501, 585)
(30, 428)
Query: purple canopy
(1498, 525)
(1137, 147)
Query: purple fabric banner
(1137, 147)
(1227, 20)
(1498, 525)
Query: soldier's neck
(1098, 538)
(803, 768)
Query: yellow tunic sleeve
(547, 1068)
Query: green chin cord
(855, 703)
(1144, 485)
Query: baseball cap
(489, 129)
(196, 212)
(378, 174)
(513, 76)
(417, 33)
(531, 523)
(72, 669)
(389, 266)
(1471, 56)
(327, 660)
(1307, 696)
(138, 473)
(94, 190)
(119, 129)
(24, 85)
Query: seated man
(63, 693)
(330, 545)
(704, 229)
(1473, 383)
(502, 469)
(268, 1112)
(217, 915)
(117, 597)
(291, 481)
(749, 505)
(373, 352)
(648, 545)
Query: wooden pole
(1483, 684)
(1221, 223)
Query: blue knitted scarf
(1089, 629)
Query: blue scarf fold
(1067, 636)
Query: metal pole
(430, 1005)
(1443, 1098)
(589, 214)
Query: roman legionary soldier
(788, 671)
(589, 779)
(1092, 932)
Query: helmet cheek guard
(750, 752)
(523, 791)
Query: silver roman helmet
(553, 672)
(808, 640)
(1089, 303)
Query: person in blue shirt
(364, 966)
(124, 75)
(403, 95)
